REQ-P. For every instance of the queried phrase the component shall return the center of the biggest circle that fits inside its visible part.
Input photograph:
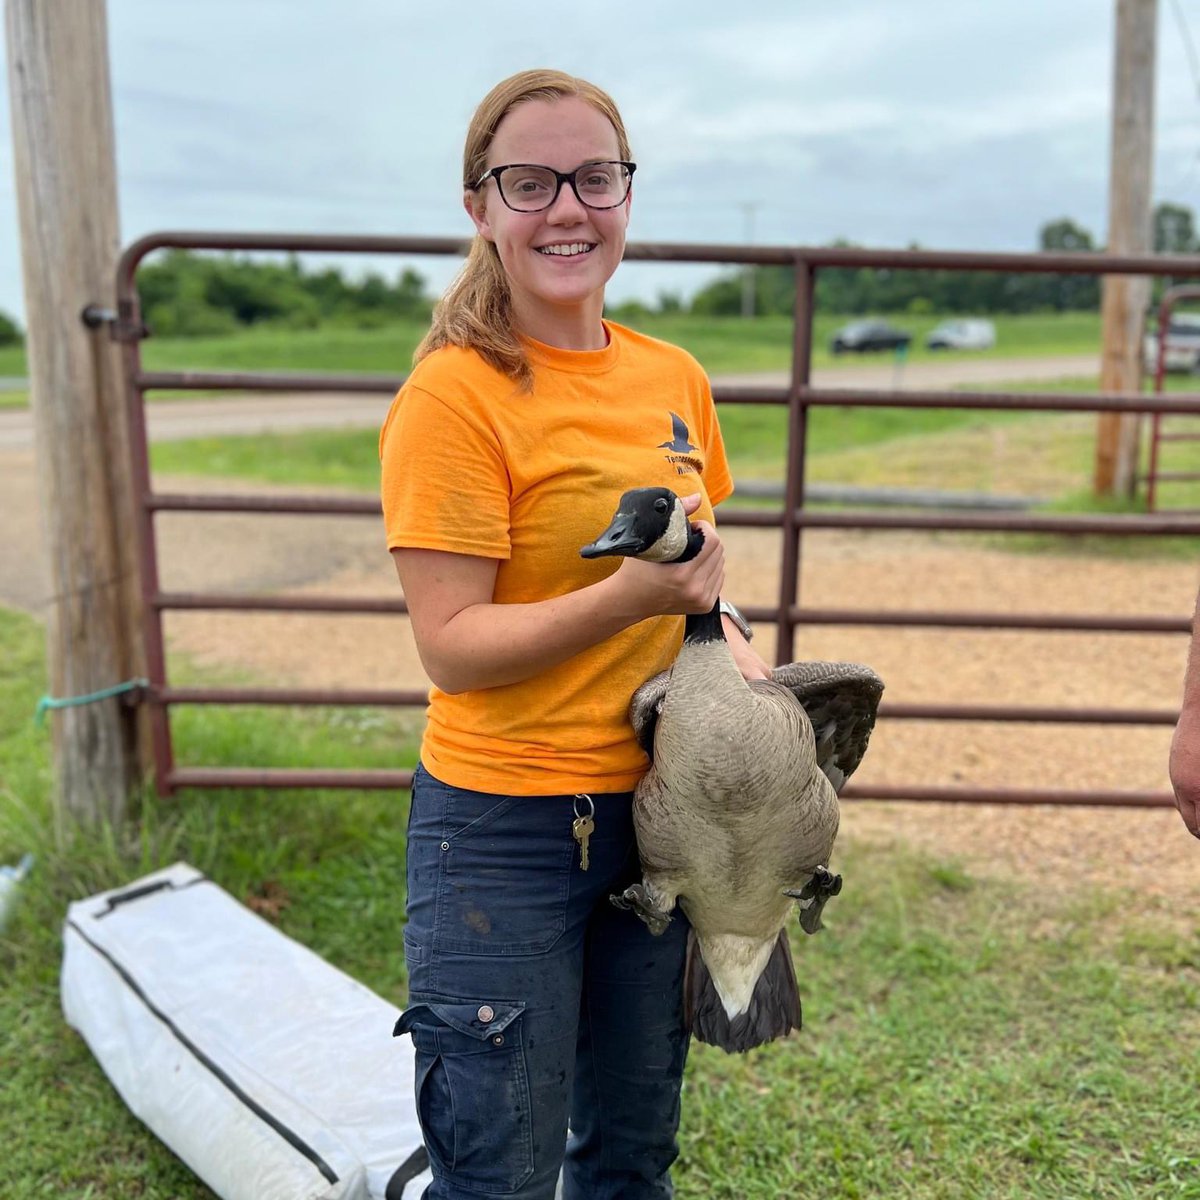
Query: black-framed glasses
(529, 187)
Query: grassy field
(1045, 458)
(721, 344)
(755, 438)
(964, 1038)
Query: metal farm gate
(1185, 431)
(792, 519)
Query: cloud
(962, 125)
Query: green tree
(1174, 229)
(1064, 235)
(189, 294)
(1065, 292)
(10, 331)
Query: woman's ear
(477, 211)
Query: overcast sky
(961, 126)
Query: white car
(964, 333)
(1183, 344)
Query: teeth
(573, 248)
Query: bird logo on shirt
(679, 436)
(679, 447)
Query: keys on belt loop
(582, 826)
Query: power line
(1188, 45)
(1189, 48)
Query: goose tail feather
(774, 1009)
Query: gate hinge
(120, 329)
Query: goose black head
(649, 523)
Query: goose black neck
(704, 627)
(695, 544)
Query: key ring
(591, 806)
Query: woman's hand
(649, 589)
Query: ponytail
(476, 312)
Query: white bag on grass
(272, 1074)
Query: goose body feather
(737, 816)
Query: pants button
(485, 1013)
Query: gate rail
(793, 518)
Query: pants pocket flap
(480, 1019)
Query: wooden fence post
(1125, 298)
(65, 167)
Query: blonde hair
(476, 309)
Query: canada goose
(737, 815)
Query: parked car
(963, 333)
(1183, 344)
(871, 334)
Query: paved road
(279, 557)
(261, 412)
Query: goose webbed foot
(636, 898)
(813, 895)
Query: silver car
(1183, 344)
(963, 333)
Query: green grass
(755, 438)
(339, 458)
(12, 361)
(729, 344)
(963, 1037)
(721, 344)
(1048, 457)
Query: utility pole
(65, 169)
(1126, 298)
(748, 278)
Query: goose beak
(618, 538)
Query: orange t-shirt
(472, 465)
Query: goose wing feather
(644, 709)
(841, 700)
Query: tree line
(850, 290)
(187, 294)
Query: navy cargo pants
(532, 999)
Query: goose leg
(813, 895)
(641, 899)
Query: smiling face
(557, 260)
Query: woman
(533, 999)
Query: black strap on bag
(405, 1173)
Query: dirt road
(211, 415)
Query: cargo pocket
(472, 1089)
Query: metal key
(581, 828)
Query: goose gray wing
(841, 700)
(644, 709)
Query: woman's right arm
(467, 642)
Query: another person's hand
(748, 660)
(1185, 768)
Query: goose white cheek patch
(672, 543)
